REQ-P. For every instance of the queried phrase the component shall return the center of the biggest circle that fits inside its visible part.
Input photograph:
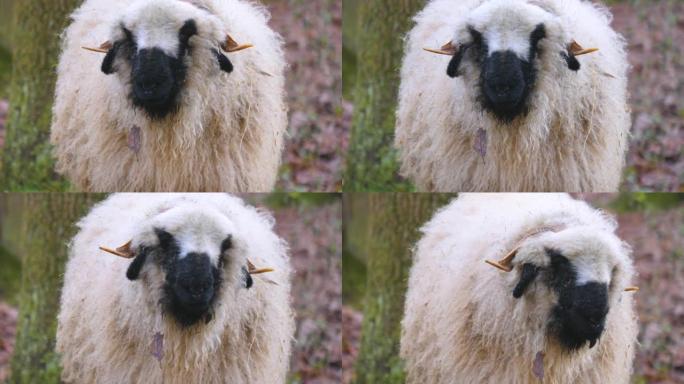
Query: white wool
(228, 132)
(574, 137)
(107, 323)
(463, 325)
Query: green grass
(10, 277)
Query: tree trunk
(372, 164)
(27, 159)
(393, 225)
(46, 225)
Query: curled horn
(504, 264)
(230, 45)
(575, 49)
(103, 48)
(448, 49)
(124, 251)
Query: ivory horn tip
(499, 266)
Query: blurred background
(654, 30)
(35, 229)
(317, 135)
(375, 277)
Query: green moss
(47, 223)
(5, 71)
(27, 161)
(372, 160)
(353, 280)
(394, 220)
(10, 277)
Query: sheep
(189, 307)
(166, 109)
(560, 313)
(523, 113)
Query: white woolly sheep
(522, 112)
(175, 114)
(561, 312)
(186, 309)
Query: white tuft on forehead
(506, 25)
(591, 251)
(156, 23)
(196, 229)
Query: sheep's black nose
(154, 84)
(504, 84)
(194, 282)
(198, 287)
(581, 316)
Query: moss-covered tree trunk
(47, 224)
(393, 225)
(372, 164)
(27, 160)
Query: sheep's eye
(227, 244)
(129, 44)
(128, 34)
(476, 36)
(188, 30)
(613, 275)
(536, 36)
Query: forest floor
(318, 133)
(658, 244)
(657, 239)
(315, 239)
(655, 32)
(8, 327)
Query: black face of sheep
(156, 76)
(506, 79)
(192, 282)
(579, 315)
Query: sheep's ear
(134, 269)
(223, 61)
(574, 50)
(448, 49)
(108, 62)
(230, 45)
(527, 276)
(456, 53)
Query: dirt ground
(8, 327)
(315, 238)
(658, 243)
(655, 32)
